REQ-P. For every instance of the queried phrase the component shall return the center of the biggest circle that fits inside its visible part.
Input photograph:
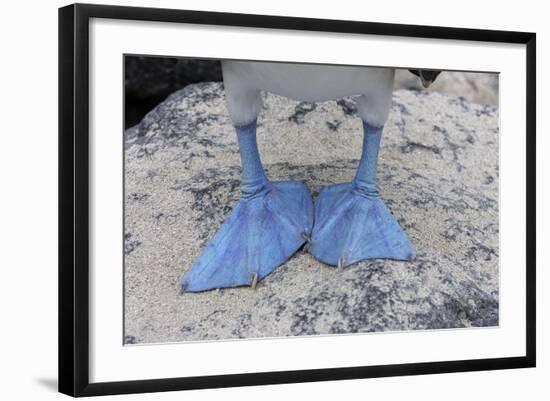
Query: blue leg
(269, 223)
(352, 223)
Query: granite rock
(438, 173)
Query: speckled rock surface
(438, 173)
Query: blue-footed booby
(348, 222)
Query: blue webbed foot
(260, 234)
(351, 226)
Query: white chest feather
(305, 82)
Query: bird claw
(306, 238)
(254, 280)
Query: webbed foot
(260, 234)
(351, 226)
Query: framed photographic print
(251, 199)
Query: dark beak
(427, 77)
(425, 82)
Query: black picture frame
(74, 198)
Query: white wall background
(28, 199)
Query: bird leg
(269, 223)
(352, 223)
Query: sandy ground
(438, 173)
